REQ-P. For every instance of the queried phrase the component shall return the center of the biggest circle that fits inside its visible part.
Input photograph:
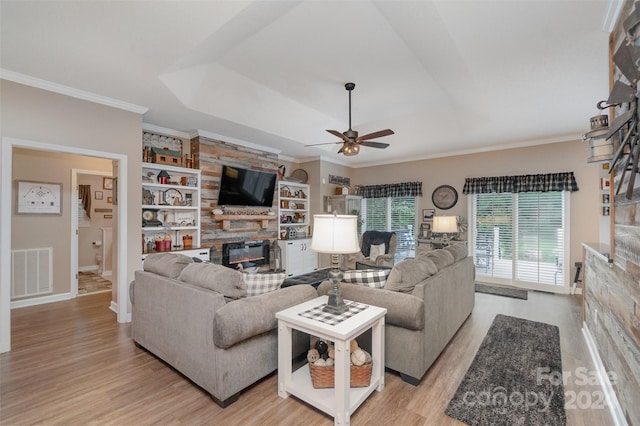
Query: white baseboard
(107, 273)
(40, 300)
(610, 396)
(114, 308)
(87, 268)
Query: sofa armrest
(403, 310)
(385, 260)
(244, 318)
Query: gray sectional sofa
(196, 318)
(427, 298)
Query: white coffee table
(342, 400)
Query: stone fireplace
(248, 253)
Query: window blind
(520, 238)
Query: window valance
(403, 189)
(565, 181)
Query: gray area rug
(515, 377)
(516, 293)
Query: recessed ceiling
(447, 76)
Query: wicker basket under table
(323, 377)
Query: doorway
(92, 229)
(119, 166)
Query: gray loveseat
(196, 317)
(427, 298)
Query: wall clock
(172, 197)
(444, 197)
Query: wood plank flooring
(72, 364)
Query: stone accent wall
(209, 156)
(612, 315)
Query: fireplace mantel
(227, 219)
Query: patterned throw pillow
(374, 278)
(263, 283)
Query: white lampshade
(336, 234)
(445, 224)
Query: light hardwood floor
(72, 364)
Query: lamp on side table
(445, 225)
(335, 234)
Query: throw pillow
(374, 278)
(407, 274)
(458, 250)
(168, 265)
(263, 283)
(375, 251)
(361, 266)
(441, 257)
(214, 277)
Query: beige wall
(36, 231)
(549, 158)
(37, 115)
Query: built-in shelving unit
(293, 210)
(171, 210)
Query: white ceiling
(447, 76)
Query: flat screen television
(244, 187)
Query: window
(396, 214)
(521, 238)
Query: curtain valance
(565, 181)
(403, 189)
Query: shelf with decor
(293, 210)
(170, 208)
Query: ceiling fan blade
(376, 135)
(325, 143)
(341, 149)
(338, 134)
(374, 144)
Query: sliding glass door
(521, 239)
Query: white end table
(342, 400)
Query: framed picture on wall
(98, 195)
(38, 197)
(428, 214)
(107, 183)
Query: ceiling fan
(350, 140)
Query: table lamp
(445, 225)
(335, 234)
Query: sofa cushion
(245, 318)
(168, 265)
(403, 310)
(218, 278)
(263, 283)
(441, 258)
(374, 278)
(458, 250)
(406, 274)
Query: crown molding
(612, 15)
(165, 131)
(522, 144)
(216, 136)
(38, 83)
